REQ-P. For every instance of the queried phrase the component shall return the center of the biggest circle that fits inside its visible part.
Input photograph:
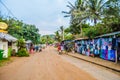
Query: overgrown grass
(5, 61)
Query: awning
(7, 37)
(28, 41)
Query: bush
(22, 49)
(9, 51)
(21, 43)
(1, 54)
(22, 53)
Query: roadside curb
(116, 70)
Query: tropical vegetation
(63, 34)
(22, 51)
(90, 18)
(20, 30)
(47, 39)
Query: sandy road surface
(100, 73)
(46, 65)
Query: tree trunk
(95, 21)
(81, 31)
(62, 35)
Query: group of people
(60, 48)
(33, 48)
(63, 47)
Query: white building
(5, 41)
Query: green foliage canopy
(19, 30)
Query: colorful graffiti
(105, 48)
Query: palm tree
(95, 9)
(57, 36)
(76, 13)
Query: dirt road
(46, 65)
(99, 72)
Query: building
(7, 41)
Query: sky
(45, 14)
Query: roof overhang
(8, 37)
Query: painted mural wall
(105, 48)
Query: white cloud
(62, 21)
(53, 25)
(59, 2)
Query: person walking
(59, 48)
(31, 48)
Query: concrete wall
(4, 46)
(14, 46)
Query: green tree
(105, 14)
(19, 30)
(21, 48)
(49, 39)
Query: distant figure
(36, 48)
(62, 47)
(59, 48)
(31, 48)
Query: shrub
(9, 51)
(22, 49)
(21, 43)
(22, 52)
(1, 54)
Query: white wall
(4, 46)
(1, 44)
(14, 47)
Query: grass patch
(5, 61)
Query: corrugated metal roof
(7, 37)
(109, 34)
(28, 41)
(81, 38)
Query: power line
(9, 11)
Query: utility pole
(63, 34)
